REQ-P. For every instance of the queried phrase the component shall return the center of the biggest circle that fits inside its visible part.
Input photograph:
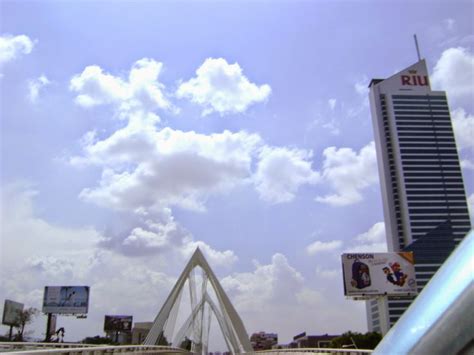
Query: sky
(134, 132)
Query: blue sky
(132, 132)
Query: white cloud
(221, 87)
(145, 168)
(276, 291)
(332, 103)
(454, 73)
(372, 241)
(376, 234)
(362, 87)
(167, 167)
(281, 171)
(163, 235)
(36, 253)
(52, 266)
(348, 172)
(12, 47)
(321, 247)
(140, 91)
(449, 23)
(470, 203)
(35, 86)
(463, 125)
(467, 164)
(215, 257)
(333, 127)
(252, 291)
(19, 221)
(329, 273)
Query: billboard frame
(118, 320)
(9, 308)
(370, 275)
(66, 300)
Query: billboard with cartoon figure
(372, 274)
(66, 299)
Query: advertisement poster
(118, 323)
(373, 274)
(66, 299)
(12, 312)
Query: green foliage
(97, 340)
(162, 340)
(186, 344)
(25, 318)
(368, 340)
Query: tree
(26, 317)
(186, 344)
(97, 340)
(368, 340)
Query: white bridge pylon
(196, 328)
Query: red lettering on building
(422, 80)
(406, 80)
(415, 80)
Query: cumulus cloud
(36, 252)
(277, 290)
(321, 247)
(253, 290)
(361, 87)
(12, 47)
(463, 124)
(163, 235)
(215, 257)
(141, 90)
(52, 266)
(332, 103)
(372, 241)
(35, 86)
(222, 87)
(281, 171)
(376, 234)
(470, 203)
(467, 164)
(454, 73)
(167, 167)
(145, 168)
(329, 273)
(43, 246)
(348, 172)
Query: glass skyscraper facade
(424, 201)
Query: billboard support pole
(47, 339)
(11, 333)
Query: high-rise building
(424, 201)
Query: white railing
(73, 349)
(294, 351)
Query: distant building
(313, 341)
(263, 341)
(424, 201)
(119, 337)
(140, 331)
(303, 340)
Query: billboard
(11, 312)
(373, 274)
(118, 323)
(66, 299)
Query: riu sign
(415, 80)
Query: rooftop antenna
(417, 48)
